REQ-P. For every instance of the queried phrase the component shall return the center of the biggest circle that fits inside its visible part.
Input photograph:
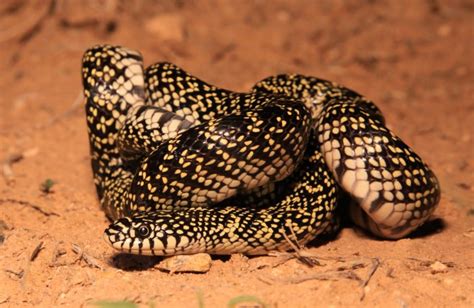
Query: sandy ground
(413, 58)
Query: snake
(182, 167)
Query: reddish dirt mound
(413, 58)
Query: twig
(353, 266)
(344, 271)
(306, 254)
(7, 166)
(58, 251)
(25, 32)
(12, 159)
(294, 236)
(331, 275)
(18, 274)
(309, 261)
(29, 204)
(220, 54)
(365, 282)
(36, 251)
(91, 261)
(75, 104)
(5, 300)
(469, 233)
(285, 257)
(373, 268)
(265, 280)
(293, 245)
(37, 26)
(389, 273)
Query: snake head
(134, 235)
(152, 234)
(129, 236)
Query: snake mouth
(130, 246)
(121, 243)
(115, 240)
(116, 235)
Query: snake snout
(116, 234)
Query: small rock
(167, 27)
(438, 267)
(198, 263)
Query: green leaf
(115, 304)
(245, 299)
(200, 299)
(47, 185)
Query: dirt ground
(413, 58)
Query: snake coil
(182, 166)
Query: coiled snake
(185, 167)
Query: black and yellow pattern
(185, 167)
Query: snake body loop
(182, 166)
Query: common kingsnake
(183, 167)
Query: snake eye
(143, 231)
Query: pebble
(438, 267)
(198, 263)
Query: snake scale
(181, 166)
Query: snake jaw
(147, 235)
(117, 233)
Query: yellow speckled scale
(185, 167)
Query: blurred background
(414, 59)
